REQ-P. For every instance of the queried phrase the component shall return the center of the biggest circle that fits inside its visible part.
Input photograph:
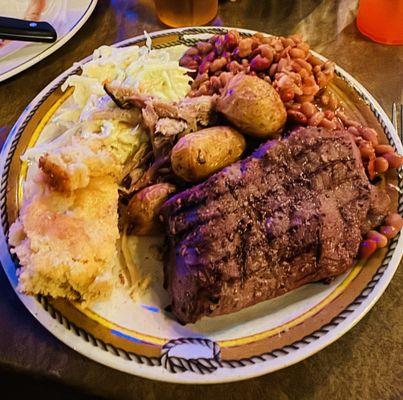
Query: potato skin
(198, 155)
(253, 106)
(144, 206)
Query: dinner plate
(66, 16)
(139, 337)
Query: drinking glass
(178, 13)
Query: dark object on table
(292, 213)
(27, 31)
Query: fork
(395, 112)
(399, 131)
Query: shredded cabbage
(34, 153)
(149, 72)
(119, 140)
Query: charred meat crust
(292, 213)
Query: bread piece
(66, 243)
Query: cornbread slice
(66, 233)
(66, 242)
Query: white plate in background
(66, 16)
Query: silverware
(397, 109)
(27, 31)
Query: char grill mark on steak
(290, 214)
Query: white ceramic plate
(66, 16)
(139, 338)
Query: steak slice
(290, 214)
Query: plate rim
(236, 374)
(54, 47)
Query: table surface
(366, 363)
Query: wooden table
(364, 364)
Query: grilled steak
(292, 213)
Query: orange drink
(381, 20)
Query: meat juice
(178, 13)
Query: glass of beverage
(178, 13)
(381, 21)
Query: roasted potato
(198, 155)
(144, 206)
(253, 106)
